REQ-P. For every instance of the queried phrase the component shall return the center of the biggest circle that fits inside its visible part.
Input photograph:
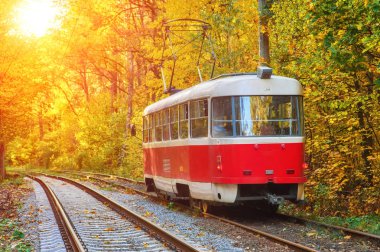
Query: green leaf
(18, 235)
(329, 38)
(377, 82)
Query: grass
(11, 238)
(12, 181)
(107, 188)
(171, 205)
(365, 223)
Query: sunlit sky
(36, 17)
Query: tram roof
(235, 85)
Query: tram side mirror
(132, 128)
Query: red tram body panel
(241, 163)
(231, 140)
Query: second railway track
(308, 235)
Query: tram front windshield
(249, 116)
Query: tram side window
(183, 120)
(199, 118)
(158, 126)
(289, 109)
(145, 129)
(150, 128)
(222, 123)
(174, 122)
(165, 119)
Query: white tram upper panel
(238, 85)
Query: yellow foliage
(67, 98)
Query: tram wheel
(160, 195)
(272, 209)
(268, 208)
(194, 204)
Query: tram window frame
(145, 129)
(150, 128)
(199, 118)
(165, 125)
(158, 126)
(174, 122)
(183, 119)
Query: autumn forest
(68, 97)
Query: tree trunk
(113, 90)
(367, 140)
(2, 163)
(130, 88)
(84, 83)
(41, 123)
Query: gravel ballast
(210, 233)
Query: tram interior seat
(222, 130)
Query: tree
(329, 46)
(17, 86)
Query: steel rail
(284, 216)
(339, 228)
(69, 236)
(124, 187)
(118, 177)
(107, 176)
(276, 239)
(155, 231)
(129, 180)
(293, 245)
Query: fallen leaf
(311, 234)
(147, 214)
(200, 234)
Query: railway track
(68, 234)
(96, 223)
(347, 231)
(250, 227)
(131, 184)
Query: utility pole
(263, 33)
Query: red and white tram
(235, 139)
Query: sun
(36, 17)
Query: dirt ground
(12, 192)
